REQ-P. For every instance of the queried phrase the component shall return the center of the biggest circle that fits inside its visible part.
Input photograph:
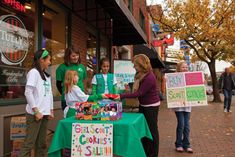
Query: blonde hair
(178, 66)
(143, 62)
(69, 80)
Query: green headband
(44, 54)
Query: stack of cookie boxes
(101, 110)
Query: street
(212, 131)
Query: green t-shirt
(61, 70)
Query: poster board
(124, 72)
(184, 89)
(18, 128)
(90, 139)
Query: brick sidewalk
(212, 132)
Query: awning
(155, 60)
(126, 30)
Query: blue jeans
(227, 99)
(183, 130)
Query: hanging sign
(155, 27)
(165, 40)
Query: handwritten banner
(92, 140)
(185, 89)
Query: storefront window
(104, 48)
(91, 60)
(17, 44)
(91, 53)
(54, 36)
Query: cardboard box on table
(110, 110)
(102, 110)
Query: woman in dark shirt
(146, 90)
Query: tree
(206, 26)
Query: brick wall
(79, 36)
(141, 5)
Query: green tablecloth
(128, 132)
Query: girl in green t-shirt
(71, 62)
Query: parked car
(209, 90)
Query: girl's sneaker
(179, 149)
(189, 150)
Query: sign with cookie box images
(102, 110)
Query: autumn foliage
(207, 26)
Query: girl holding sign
(183, 115)
(74, 94)
(147, 92)
(39, 109)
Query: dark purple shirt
(147, 93)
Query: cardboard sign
(92, 140)
(185, 89)
(18, 128)
(124, 72)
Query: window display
(16, 48)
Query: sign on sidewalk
(18, 128)
(93, 140)
(184, 89)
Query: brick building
(97, 28)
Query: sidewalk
(212, 132)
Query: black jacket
(221, 80)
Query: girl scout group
(70, 80)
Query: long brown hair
(68, 81)
(67, 54)
(36, 63)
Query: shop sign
(15, 4)
(165, 41)
(155, 27)
(14, 38)
(12, 76)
